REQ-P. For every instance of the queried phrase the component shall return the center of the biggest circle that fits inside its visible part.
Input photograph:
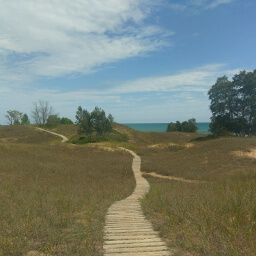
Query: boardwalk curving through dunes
(127, 232)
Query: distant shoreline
(203, 127)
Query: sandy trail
(64, 139)
(153, 174)
(127, 232)
(250, 153)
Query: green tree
(186, 126)
(94, 122)
(110, 118)
(189, 126)
(102, 124)
(85, 122)
(171, 127)
(233, 104)
(178, 126)
(65, 120)
(13, 117)
(53, 120)
(25, 120)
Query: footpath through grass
(53, 198)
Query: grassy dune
(53, 197)
(214, 217)
(208, 160)
(25, 134)
(217, 217)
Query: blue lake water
(161, 127)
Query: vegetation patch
(205, 138)
(114, 136)
(85, 140)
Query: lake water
(161, 127)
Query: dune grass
(24, 135)
(67, 130)
(208, 160)
(217, 217)
(53, 198)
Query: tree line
(232, 103)
(186, 126)
(42, 114)
(89, 124)
(233, 107)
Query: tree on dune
(13, 117)
(233, 104)
(41, 111)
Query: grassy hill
(54, 196)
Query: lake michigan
(161, 127)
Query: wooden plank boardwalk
(127, 232)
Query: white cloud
(54, 38)
(197, 5)
(182, 95)
(216, 3)
(197, 79)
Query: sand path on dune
(64, 138)
(127, 232)
(153, 174)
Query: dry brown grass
(214, 218)
(207, 160)
(68, 130)
(144, 142)
(217, 217)
(24, 134)
(53, 198)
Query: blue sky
(140, 60)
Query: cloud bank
(55, 38)
(161, 96)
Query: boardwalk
(127, 232)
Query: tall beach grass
(53, 198)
